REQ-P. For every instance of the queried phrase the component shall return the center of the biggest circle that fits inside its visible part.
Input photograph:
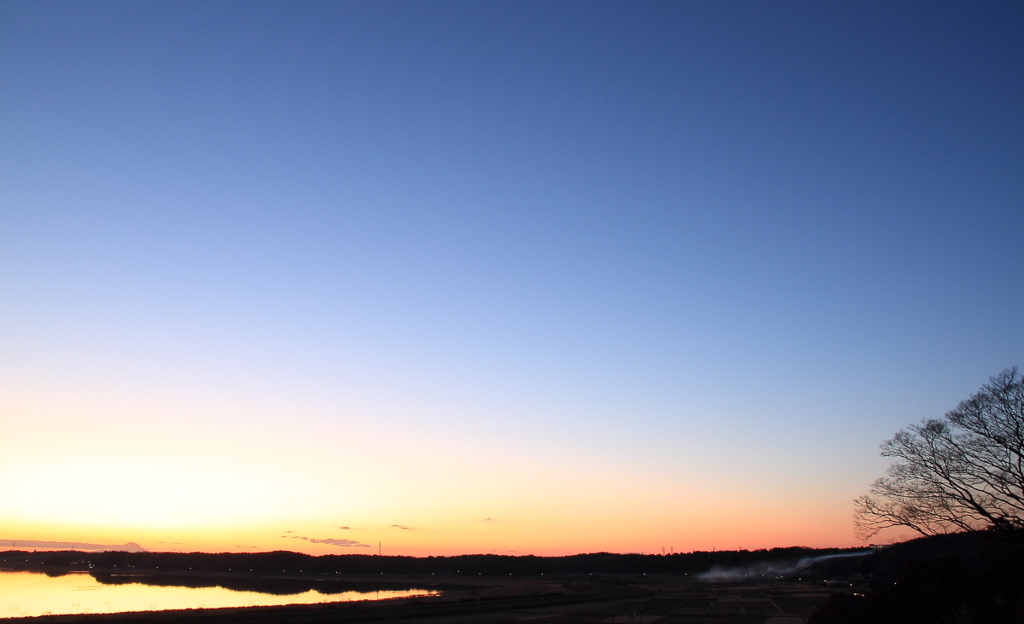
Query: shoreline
(553, 600)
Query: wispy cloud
(344, 543)
(403, 527)
(346, 528)
(340, 542)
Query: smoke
(770, 569)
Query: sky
(434, 278)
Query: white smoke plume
(769, 569)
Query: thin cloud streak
(343, 543)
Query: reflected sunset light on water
(26, 594)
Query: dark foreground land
(970, 578)
(631, 599)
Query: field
(639, 599)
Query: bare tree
(964, 472)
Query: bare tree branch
(964, 472)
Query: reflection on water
(29, 593)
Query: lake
(31, 593)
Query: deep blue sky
(735, 238)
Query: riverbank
(559, 600)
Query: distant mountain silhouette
(129, 547)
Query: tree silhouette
(964, 472)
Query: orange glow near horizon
(422, 494)
(608, 533)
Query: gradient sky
(512, 277)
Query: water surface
(30, 593)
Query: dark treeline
(976, 576)
(284, 562)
